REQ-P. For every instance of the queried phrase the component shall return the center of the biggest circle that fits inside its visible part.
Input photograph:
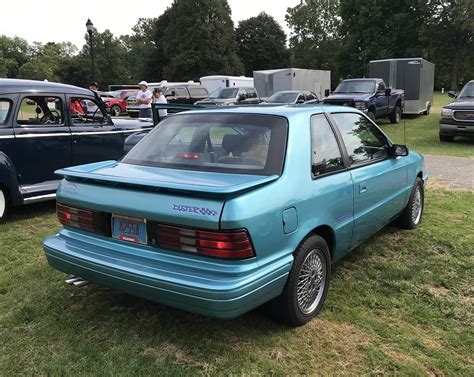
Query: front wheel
(307, 285)
(3, 204)
(396, 115)
(371, 115)
(115, 110)
(447, 138)
(411, 216)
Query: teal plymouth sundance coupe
(218, 211)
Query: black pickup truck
(47, 126)
(457, 118)
(371, 96)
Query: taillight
(235, 244)
(88, 220)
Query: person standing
(158, 97)
(144, 98)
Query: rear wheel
(307, 285)
(447, 138)
(396, 115)
(3, 204)
(115, 110)
(413, 212)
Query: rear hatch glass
(215, 142)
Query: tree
(197, 38)
(379, 29)
(314, 39)
(13, 54)
(451, 40)
(261, 44)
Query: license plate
(129, 229)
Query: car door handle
(362, 188)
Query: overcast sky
(58, 21)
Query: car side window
(251, 93)
(198, 92)
(326, 155)
(309, 96)
(5, 105)
(181, 92)
(364, 141)
(40, 110)
(381, 86)
(244, 93)
(85, 111)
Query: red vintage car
(116, 102)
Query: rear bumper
(204, 286)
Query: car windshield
(467, 91)
(222, 142)
(356, 86)
(224, 93)
(282, 97)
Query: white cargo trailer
(212, 83)
(275, 80)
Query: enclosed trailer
(212, 83)
(275, 80)
(414, 75)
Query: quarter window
(40, 110)
(326, 156)
(364, 141)
(4, 110)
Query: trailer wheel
(396, 115)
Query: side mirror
(452, 94)
(326, 93)
(388, 92)
(399, 150)
(241, 97)
(301, 100)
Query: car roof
(278, 110)
(19, 85)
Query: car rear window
(229, 143)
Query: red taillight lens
(91, 221)
(230, 244)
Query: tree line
(195, 38)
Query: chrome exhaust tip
(72, 279)
(81, 283)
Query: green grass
(421, 132)
(402, 303)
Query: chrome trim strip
(24, 136)
(41, 198)
(7, 136)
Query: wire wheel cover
(311, 281)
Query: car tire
(396, 115)
(115, 110)
(411, 216)
(309, 276)
(3, 204)
(371, 115)
(445, 138)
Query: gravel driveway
(451, 172)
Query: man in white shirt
(143, 100)
(158, 97)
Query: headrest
(236, 144)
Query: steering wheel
(51, 117)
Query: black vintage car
(47, 126)
(457, 118)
